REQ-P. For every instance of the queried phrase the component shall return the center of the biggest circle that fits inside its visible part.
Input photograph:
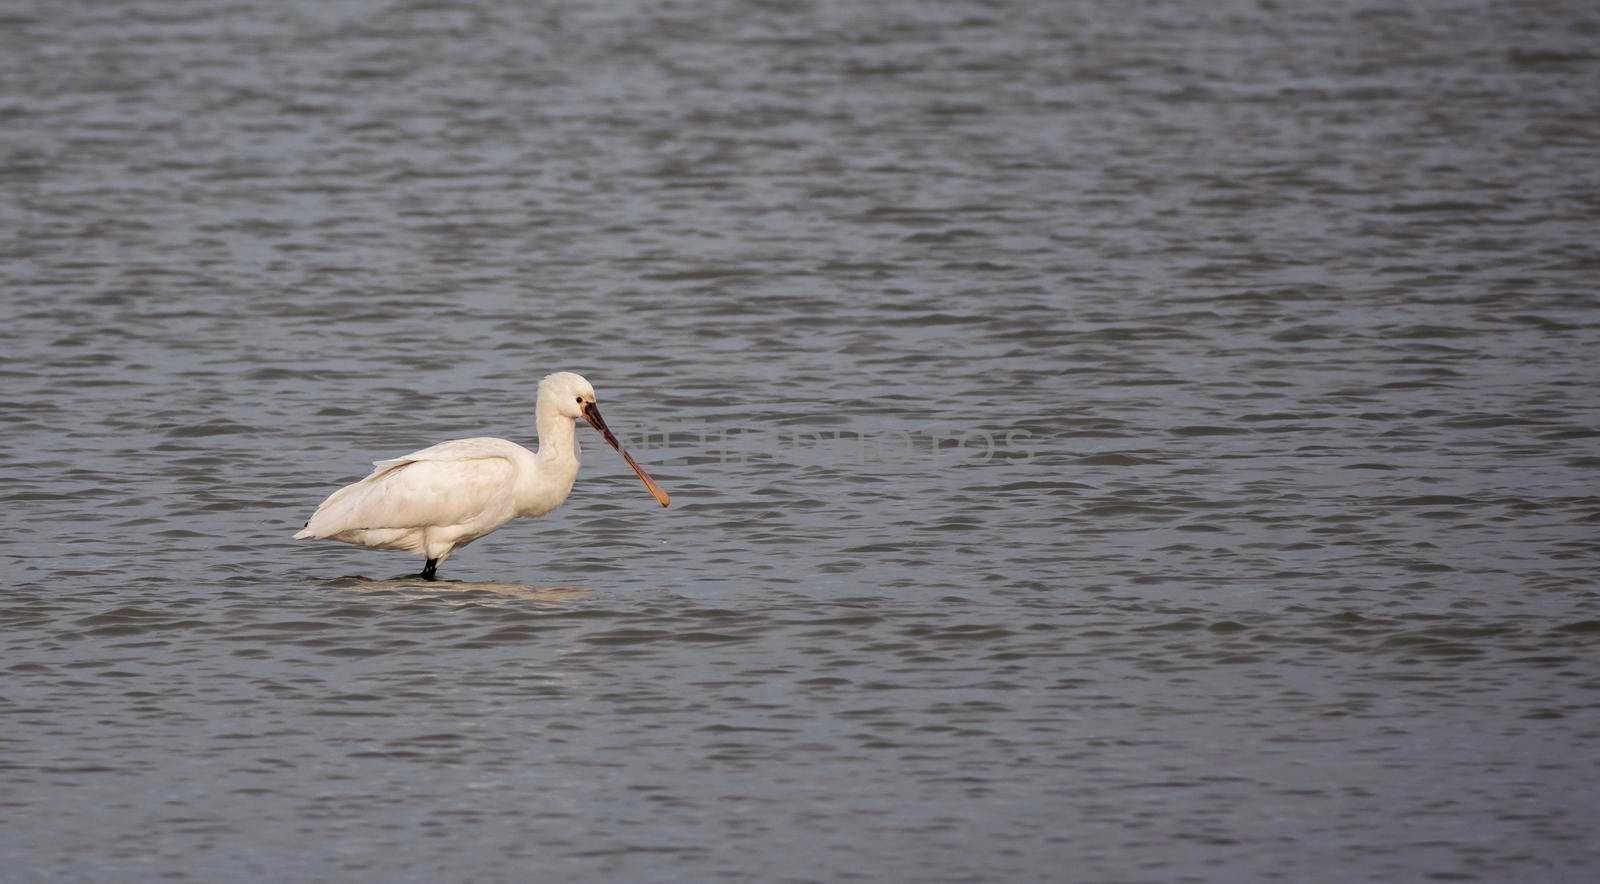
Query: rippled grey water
(1286, 572)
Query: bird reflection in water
(413, 587)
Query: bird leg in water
(428, 569)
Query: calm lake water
(1108, 442)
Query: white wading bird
(434, 500)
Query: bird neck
(558, 437)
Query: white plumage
(432, 501)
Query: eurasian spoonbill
(434, 500)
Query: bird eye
(580, 400)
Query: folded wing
(448, 484)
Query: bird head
(573, 397)
(567, 392)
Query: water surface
(1286, 572)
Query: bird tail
(326, 517)
(331, 517)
